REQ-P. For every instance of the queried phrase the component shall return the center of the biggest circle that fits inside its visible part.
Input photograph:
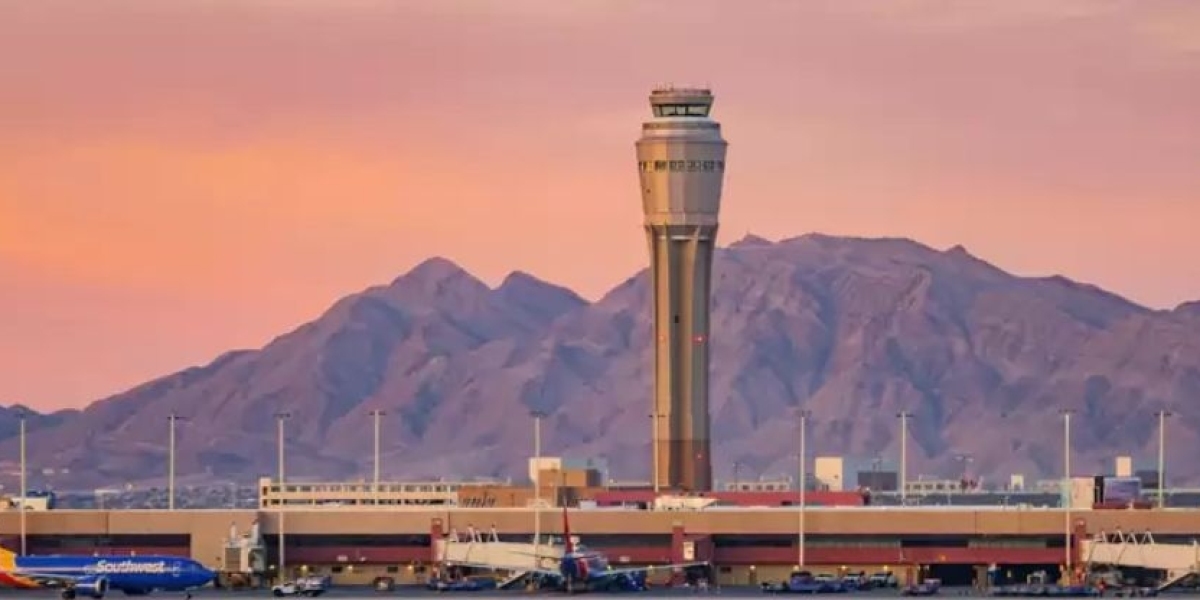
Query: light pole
(171, 420)
(654, 417)
(802, 457)
(607, 469)
(280, 417)
(965, 459)
(537, 480)
(21, 416)
(904, 416)
(1066, 413)
(1162, 455)
(376, 415)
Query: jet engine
(93, 587)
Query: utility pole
(537, 481)
(966, 460)
(1162, 455)
(171, 420)
(904, 416)
(280, 417)
(1067, 489)
(21, 416)
(803, 459)
(376, 415)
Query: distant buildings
(836, 473)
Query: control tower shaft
(681, 160)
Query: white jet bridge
(1140, 550)
(487, 551)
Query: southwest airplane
(93, 576)
(582, 570)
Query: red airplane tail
(568, 545)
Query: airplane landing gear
(67, 594)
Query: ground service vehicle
(304, 586)
(883, 579)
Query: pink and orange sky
(181, 178)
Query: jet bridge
(1140, 550)
(486, 550)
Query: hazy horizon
(179, 179)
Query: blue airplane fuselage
(94, 575)
(583, 566)
(592, 570)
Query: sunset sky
(178, 178)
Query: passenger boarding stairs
(511, 580)
(1119, 549)
(486, 551)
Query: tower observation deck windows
(690, 166)
(681, 110)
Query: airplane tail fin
(8, 559)
(568, 545)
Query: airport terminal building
(357, 533)
(750, 531)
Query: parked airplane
(93, 576)
(580, 569)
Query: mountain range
(854, 330)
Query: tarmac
(421, 591)
(355, 593)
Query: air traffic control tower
(681, 163)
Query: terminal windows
(687, 166)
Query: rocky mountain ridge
(852, 329)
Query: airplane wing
(652, 568)
(609, 571)
(494, 567)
